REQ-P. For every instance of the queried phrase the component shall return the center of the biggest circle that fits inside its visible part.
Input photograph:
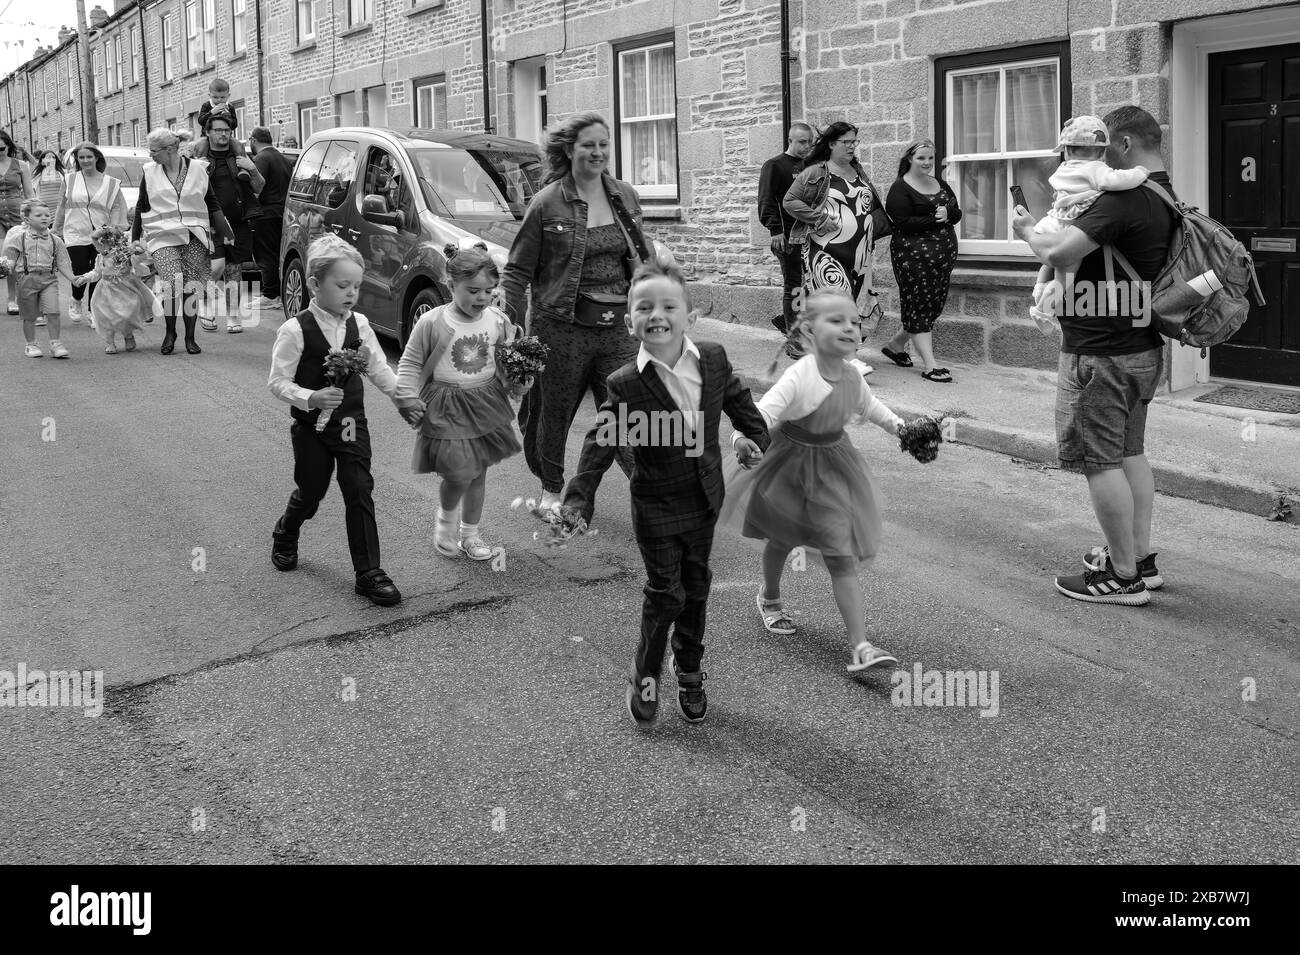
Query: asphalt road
(488, 722)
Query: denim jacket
(804, 201)
(547, 253)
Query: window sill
(201, 69)
(304, 46)
(134, 85)
(166, 83)
(68, 102)
(424, 7)
(238, 56)
(662, 213)
(356, 30)
(1000, 273)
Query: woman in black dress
(923, 252)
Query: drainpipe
(144, 65)
(261, 89)
(487, 68)
(27, 87)
(786, 59)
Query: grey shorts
(1101, 407)
(38, 294)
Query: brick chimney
(66, 34)
(97, 17)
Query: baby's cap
(1084, 131)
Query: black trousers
(791, 279)
(267, 232)
(82, 258)
(315, 458)
(676, 592)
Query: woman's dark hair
(905, 163)
(464, 264)
(821, 150)
(562, 136)
(9, 144)
(40, 160)
(100, 164)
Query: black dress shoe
(378, 588)
(168, 344)
(192, 347)
(284, 548)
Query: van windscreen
(473, 185)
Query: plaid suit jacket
(672, 492)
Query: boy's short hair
(324, 252)
(29, 204)
(218, 85)
(657, 268)
(1084, 152)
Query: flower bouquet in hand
(921, 439)
(4, 267)
(340, 366)
(563, 524)
(521, 361)
(114, 246)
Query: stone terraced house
(698, 91)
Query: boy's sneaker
(33, 351)
(1099, 559)
(1103, 587)
(642, 698)
(692, 702)
(74, 313)
(57, 349)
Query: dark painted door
(1255, 191)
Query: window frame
(167, 32)
(96, 61)
(238, 26)
(73, 67)
(430, 83)
(670, 193)
(1003, 59)
(299, 7)
(367, 12)
(306, 106)
(136, 65)
(193, 13)
(209, 8)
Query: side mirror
(375, 209)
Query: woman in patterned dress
(836, 209)
(923, 251)
(15, 186)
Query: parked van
(400, 198)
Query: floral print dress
(841, 258)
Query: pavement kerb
(1242, 496)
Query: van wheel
(293, 290)
(426, 300)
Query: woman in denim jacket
(838, 215)
(579, 242)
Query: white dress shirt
(288, 352)
(684, 380)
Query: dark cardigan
(913, 211)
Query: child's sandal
(475, 549)
(110, 349)
(865, 655)
(775, 619)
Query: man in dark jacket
(238, 201)
(773, 183)
(268, 222)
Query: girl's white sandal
(475, 549)
(865, 655)
(775, 619)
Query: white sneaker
(33, 351)
(74, 313)
(263, 302)
(233, 328)
(40, 321)
(57, 349)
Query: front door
(1255, 192)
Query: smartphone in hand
(1018, 198)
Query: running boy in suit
(666, 406)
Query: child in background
(676, 485)
(218, 99)
(37, 257)
(813, 488)
(1080, 178)
(298, 378)
(450, 363)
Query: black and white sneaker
(1099, 559)
(1103, 587)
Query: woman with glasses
(176, 213)
(839, 216)
(15, 186)
(91, 200)
(923, 251)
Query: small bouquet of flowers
(340, 366)
(921, 439)
(113, 245)
(563, 524)
(4, 268)
(521, 361)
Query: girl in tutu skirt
(450, 364)
(812, 488)
(121, 303)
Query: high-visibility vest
(173, 215)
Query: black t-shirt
(1139, 224)
(774, 181)
(276, 171)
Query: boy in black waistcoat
(298, 377)
(666, 405)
